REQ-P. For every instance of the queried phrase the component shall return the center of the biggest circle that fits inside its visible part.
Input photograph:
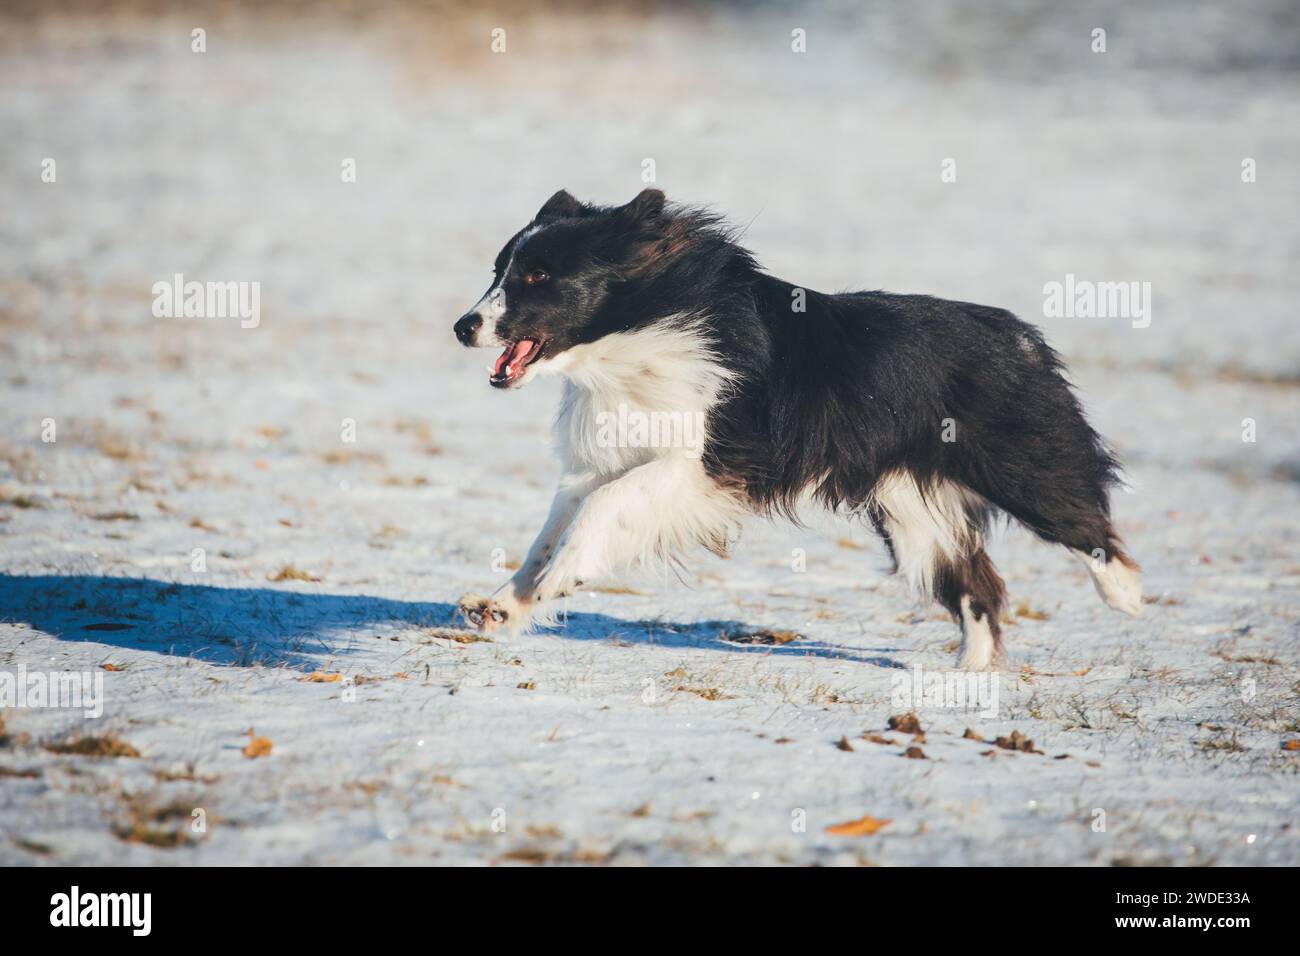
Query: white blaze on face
(493, 305)
(489, 308)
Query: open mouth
(514, 360)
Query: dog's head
(557, 283)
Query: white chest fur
(634, 397)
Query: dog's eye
(537, 277)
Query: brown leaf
(257, 746)
(863, 827)
(707, 693)
(844, 745)
(907, 724)
(112, 667)
(288, 572)
(1017, 741)
(1024, 610)
(915, 753)
(1291, 745)
(322, 677)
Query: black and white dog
(925, 416)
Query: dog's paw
(485, 614)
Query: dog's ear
(647, 206)
(559, 206)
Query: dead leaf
(907, 724)
(1017, 741)
(257, 746)
(112, 667)
(863, 827)
(706, 693)
(1291, 745)
(322, 677)
(915, 753)
(844, 744)
(1024, 610)
(288, 572)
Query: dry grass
(348, 456)
(288, 572)
(158, 825)
(1222, 743)
(457, 635)
(189, 774)
(13, 773)
(1024, 610)
(706, 693)
(115, 516)
(21, 501)
(32, 846)
(107, 745)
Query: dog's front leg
(513, 603)
(654, 511)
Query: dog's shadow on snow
(244, 626)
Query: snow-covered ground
(652, 728)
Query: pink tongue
(513, 356)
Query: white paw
(487, 614)
(979, 650)
(1119, 585)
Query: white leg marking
(1118, 585)
(653, 513)
(976, 640)
(513, 602)
(923, 529)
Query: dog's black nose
(467, 326)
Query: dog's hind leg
(1116, 577)
(1074, 514)
(972, 591)
(935, 536)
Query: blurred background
(226, 165)
(180, 439)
